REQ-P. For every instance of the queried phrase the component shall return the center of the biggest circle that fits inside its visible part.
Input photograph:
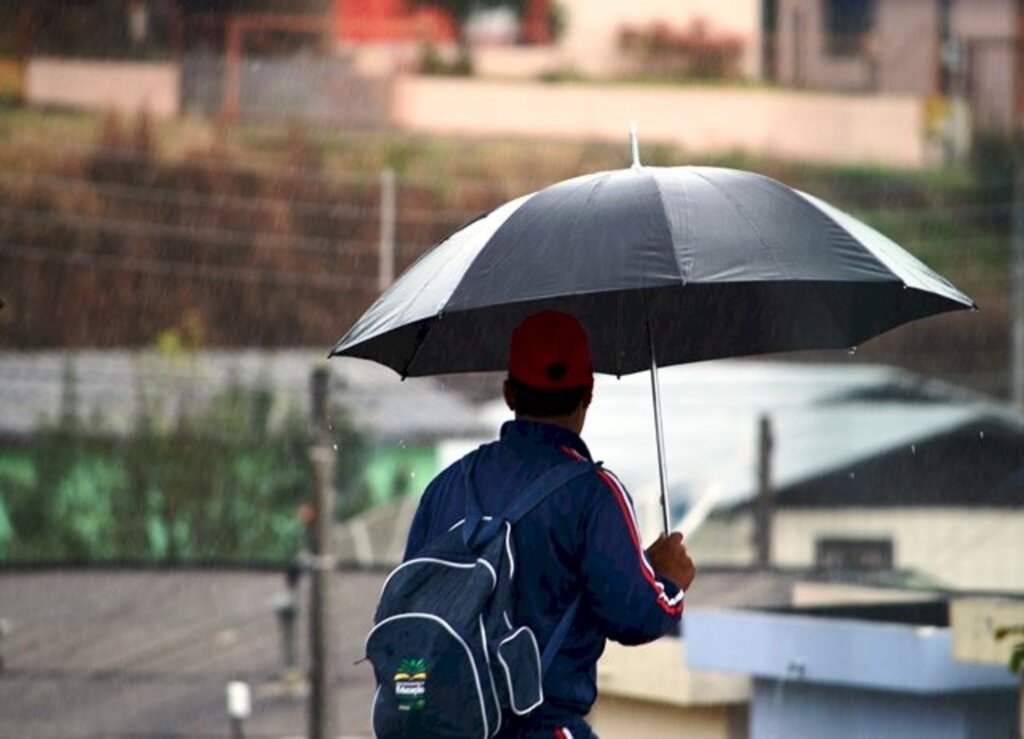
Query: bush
(661, 51)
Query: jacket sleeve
(629, 602)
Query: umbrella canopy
(672, 264)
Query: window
(853, 554)
(847, 22)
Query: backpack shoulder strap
(543, 486)
(534, 494)
(559, 634)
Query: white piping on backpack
(446, 563)
(508, 674)
(508, 548)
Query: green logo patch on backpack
(411, 685)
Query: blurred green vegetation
(220, 483)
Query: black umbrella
(661, 266)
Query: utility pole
(321, 453)
(1017, 285)
(764, 504)
(388, 216)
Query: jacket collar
(547, 434)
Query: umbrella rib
(746, 219)
(683, 278)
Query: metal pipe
(659, 433)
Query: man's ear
(510, 398)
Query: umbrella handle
(659, 434)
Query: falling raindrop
(412, 475)
(853, 475)
(852, 351)
(981, 434)
(335, 447)
(913, 448)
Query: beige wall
(590, 42)
(647, 691)
(975, 549)
(126, 87)
(627, 718)
(964, 548)
(825, 128)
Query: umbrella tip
(634, 145)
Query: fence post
(321, 714)
(388, 216)
(1017, 285)
(765, 503)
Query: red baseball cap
(549, 351)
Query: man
(581, 539)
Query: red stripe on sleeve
(659, 589)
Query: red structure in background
(536, 25)
(368, 21)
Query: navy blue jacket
(581, 539)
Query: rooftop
(110, 386)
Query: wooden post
(321, 713)
(1017, 285)
(388, 217)
(763, 506)
(232, 102)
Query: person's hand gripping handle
(670, 560)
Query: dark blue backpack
(448, 659)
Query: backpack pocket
(429, 682)
(519, 658)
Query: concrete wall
(126, 87)
(804, 711)
(826, 128)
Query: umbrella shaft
(659, 433)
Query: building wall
(590, 41)
(989, 27)
(804, 711)
(125, 87)
(825, 128)
(964, 548)
(647, 691)
(907, 46)
(899, 57)
(903, 54)
(627, 718)
(399, 470)
(801, 57)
